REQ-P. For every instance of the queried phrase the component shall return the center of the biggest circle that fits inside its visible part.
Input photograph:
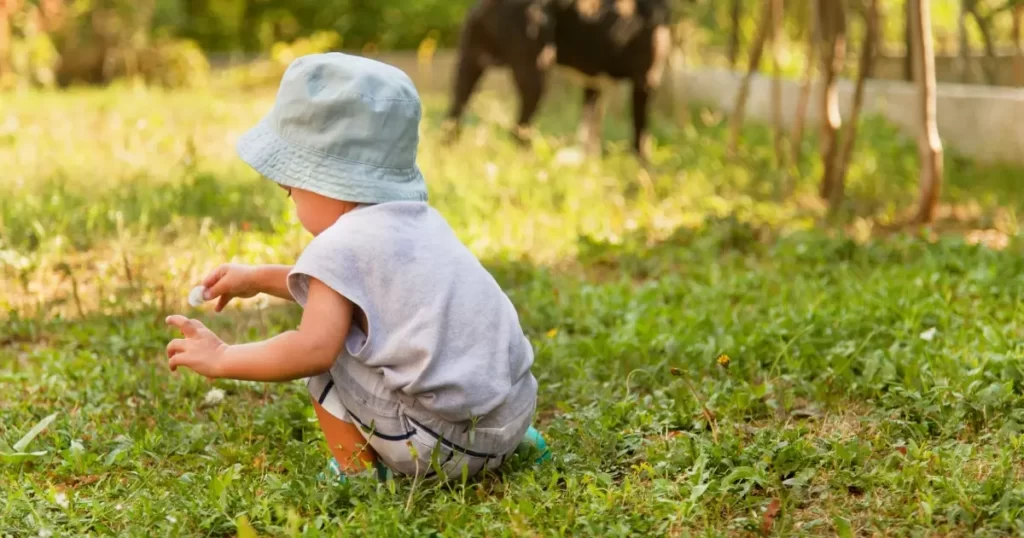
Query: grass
(873, 382)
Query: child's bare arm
(233, 280)
(310, 350)
(273, 280)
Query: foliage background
(48, 42)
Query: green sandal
(381, 471)
(534, 441)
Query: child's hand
(229, 281)
(200, 350)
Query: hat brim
(291, 165)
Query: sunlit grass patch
(873, 381)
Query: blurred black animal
(617, 39)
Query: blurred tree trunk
(805, 86)
(735, 13)
(756, 50)
(1018, 48)
(776, 37)
(984, 26)
(867, 61)
(964, 57)
(832, 25)
(908, 40)
(929, 143)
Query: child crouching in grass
(414, 356)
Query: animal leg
(530, 84)
(661, 45)
(641, 142)
(590, 126)
(468, 73)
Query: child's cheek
(310, 219)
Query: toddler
(414, 356)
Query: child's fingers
(183, 324)
(223, 287)
(222, 302)
(181, 359)
(175, 347)
(214, 276)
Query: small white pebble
(214, 397)
(195, 297)
(172, 519)
(119, 507)
(61, 499)
(45, 533)
(929, 335)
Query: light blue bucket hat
(344, 127)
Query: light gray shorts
(408, 438)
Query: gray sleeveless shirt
(439, 327)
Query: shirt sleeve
(330, 259)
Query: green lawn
(873, 383)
